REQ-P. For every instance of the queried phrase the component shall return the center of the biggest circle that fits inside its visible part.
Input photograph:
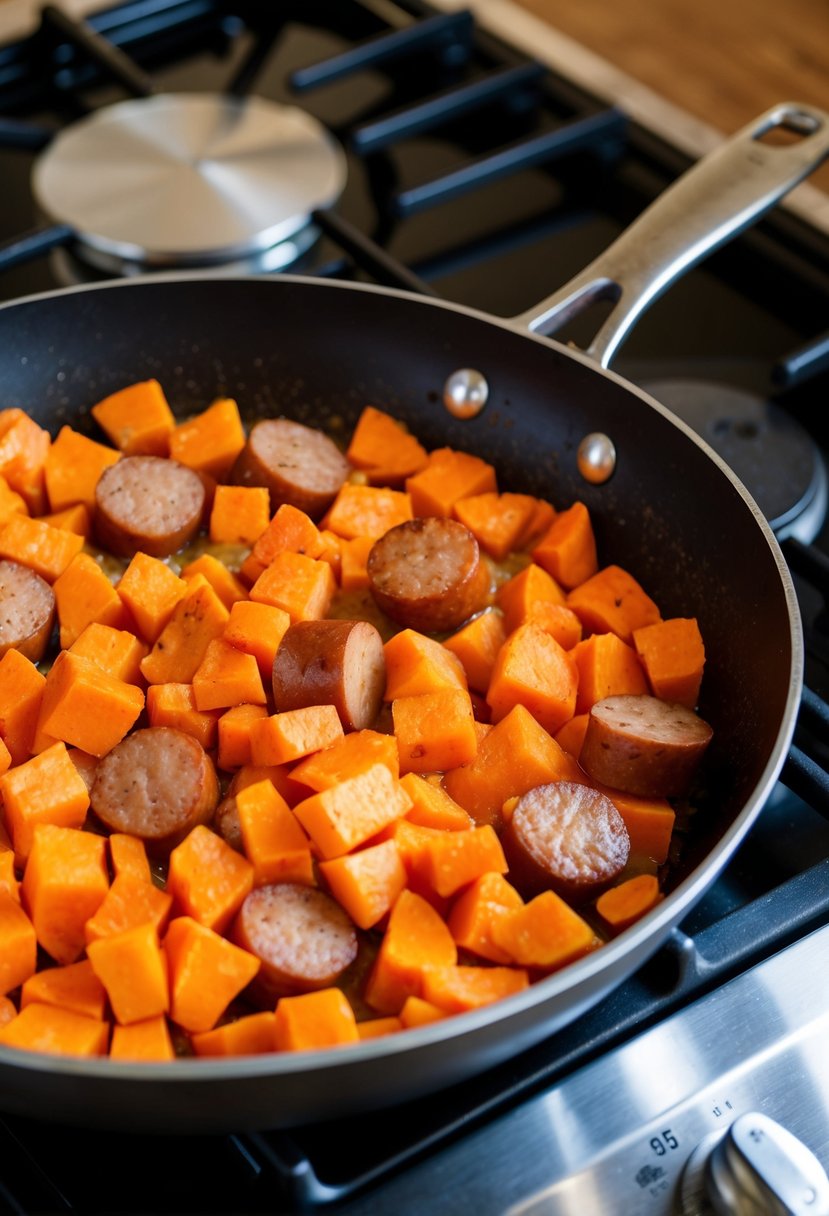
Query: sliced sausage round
(27, 611)
(567, 838)
(644, 746)
(303, 937)
(428, 574)
(158, 784)
(147, 504)
(226, 823)
(297, 465)
(339, 663)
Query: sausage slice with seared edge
(644, 746)
(303, 937)
(296, 464)
(27, 611)
(158, 784)
(147, 503)
(567, 838)
(339, 663)
(428, 574)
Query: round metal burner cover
(188, 179)
(771, 453)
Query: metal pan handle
(718, 197)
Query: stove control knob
(756, 1169)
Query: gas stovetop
(471, 158)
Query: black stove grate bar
(589, 133)
(34, 244)
(808, 779)
(26, 79)
(808, 360)
(449, 34)
(104, 53)
(245, 76)
(25, 1188)
(511, 84)
(368, 255)
(305, 1163)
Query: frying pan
(671, 513)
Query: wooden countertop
(724, 61)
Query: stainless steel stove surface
(474, 169)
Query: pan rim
(655, 926)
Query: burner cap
(775, 458)
(188, 179)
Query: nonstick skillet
(665, 507)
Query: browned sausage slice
(149, 504)
(567, 838)
(27, 611)
(339, 663)
(428, 574)
(303, 937)
(158, 784)
(226, 823)
(644, 746)
(298, 465)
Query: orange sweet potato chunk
(274, 842)
(208, 879)
(72, 468)
(206, 973)
(673, 654)
(252, 1035)
(477, 645)
(313, 1020)
(46, 789)
(545, 933)
(613, 602)
(18, 945)
(384, 449)
(415, 940)
(534, 671)
(137, 419)
(457, 989)
(607, 667)
(211, 441)
(145, 1040)
(131, 967)
(45, 1028)
(84, 594)
(434, 731)
(86, 707)
(64, 885)
(367, 882)
(21, 696)
(75, 987)
(516, 755)
(567, 550)
(343, 817)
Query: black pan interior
(318, 352)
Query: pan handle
(725, 192)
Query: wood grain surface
(724, 61)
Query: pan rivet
(596, 458)
(465, 393)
